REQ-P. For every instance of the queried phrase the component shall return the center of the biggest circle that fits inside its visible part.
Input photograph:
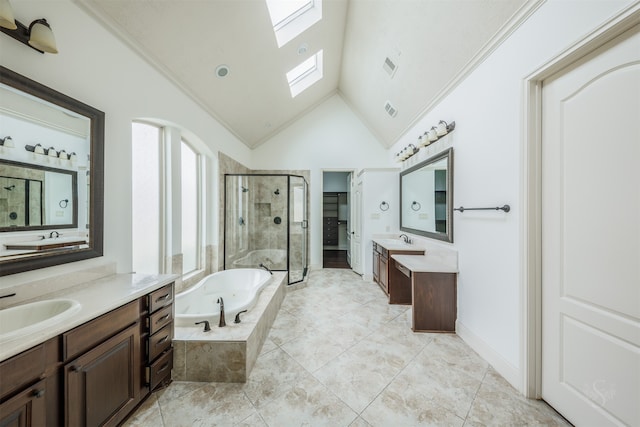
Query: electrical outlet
(59, 213)
(375, 216)
(423, 216)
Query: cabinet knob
(38, 393)
(75, 368)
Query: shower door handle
(305, 223)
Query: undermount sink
(27, 318)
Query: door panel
(591, 236)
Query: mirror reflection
(34, 197)
(51, 175)
(426, 197)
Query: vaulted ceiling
(430, 42)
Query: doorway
(582, 351)
(336, 212)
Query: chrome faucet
(222, 321)
(52, 233)
(266, 268)
(405, 238)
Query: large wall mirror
(426, 197)
(51, 176)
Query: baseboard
(504, 368)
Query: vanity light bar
(426, 139)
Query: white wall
(378, 186)
(335, 182)
(488, 110)
(96, 68)
(328, 137)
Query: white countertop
(96, 298)
(398, 245)
(432, 262)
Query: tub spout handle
(222, 321)
(207, 328)
(238, 316)
(266, 268)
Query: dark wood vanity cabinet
(102, 367)
(434, 302)
(396, 286)
(94, 374)
(103, 385)
(23, 389)
(434, 299)
(159, 350)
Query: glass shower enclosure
(265, 222)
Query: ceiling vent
(390, 109)
(389, 66)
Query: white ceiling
(431, 41)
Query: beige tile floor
(339, 355)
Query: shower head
(9, 188)
(277, 191)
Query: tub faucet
(405, 238)
(51, 235)
(266, 268)
(222, 321)
(238, 316)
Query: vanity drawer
(404, 270)
(160, 369)
(160, 319)
(160, 298)
(94, 332)
(160, 341)
(21, 369)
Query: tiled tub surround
(96, 297)
(228, 354)
(339, 355)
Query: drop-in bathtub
(239, 288)
(275, 259)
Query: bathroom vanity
(433, 291)
(97, 366)
(396, 286)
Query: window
(147, 253)
(190, 183)
(305, 74)
(291, 18)
(167, 185)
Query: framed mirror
(426, 197)
(51, 176)
(35, 197)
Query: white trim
(499, 363)
(531, 231)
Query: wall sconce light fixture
(37, 35)
(384, 206)
(7, 142)
(415, 206)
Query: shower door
(297, 228)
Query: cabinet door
(384, 273)
(103, 385)
(25, 409)
(376, 266)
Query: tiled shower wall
(264, 206)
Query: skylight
(305, 74)
(291, 18)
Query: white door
(591, 237)
(356, 230)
